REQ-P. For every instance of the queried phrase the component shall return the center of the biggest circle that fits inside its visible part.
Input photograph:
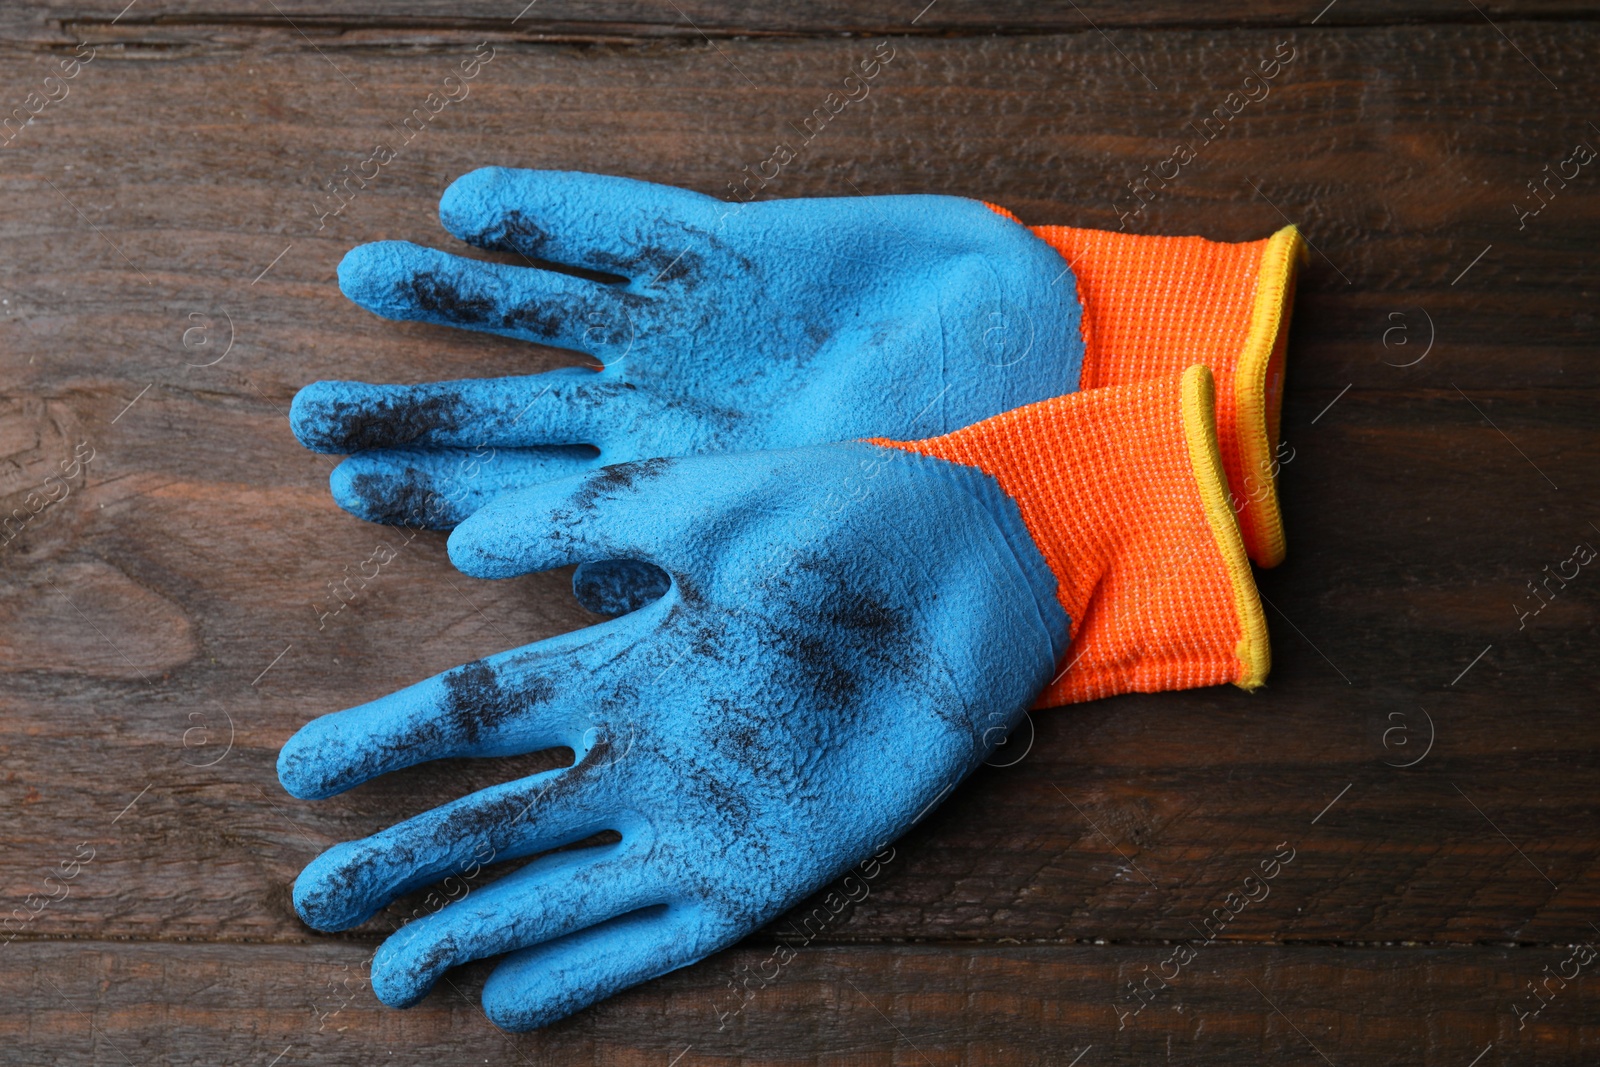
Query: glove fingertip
(371, 487)
(465, 207)
(309, 416)
(399, 991)
(349, 485)
(475, 547)
(309, 897)
(330, 894)
(370, 273)
(400, 977)
(516, 1005)
(302, 768)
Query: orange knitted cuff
(1154, 305)
(1123, 492)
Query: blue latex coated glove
(731, 327)
(850, 630)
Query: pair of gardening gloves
(861, 480)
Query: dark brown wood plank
(142, 697)
(193, 550)
(97, 1002)
(345, 23)
(1055, 129)
(1101, 833)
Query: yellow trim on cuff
(1199, 405)
(1257, 426)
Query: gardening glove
(850, 630)
(728, 327)
(757, 325)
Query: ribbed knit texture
(1122, 493)
(1154, 305)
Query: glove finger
(524, 700)
(550, 897)
(352, 881)
(438, 487)
(571, 406)
(539, 985)
(639, 230)
(405, 281)
(623, 511)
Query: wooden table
(1426, 751)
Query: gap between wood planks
(422, 35)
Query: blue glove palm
(733, 327)
(850, 630)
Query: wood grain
(162, 634)
(347, 23)
(1004, 1006)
